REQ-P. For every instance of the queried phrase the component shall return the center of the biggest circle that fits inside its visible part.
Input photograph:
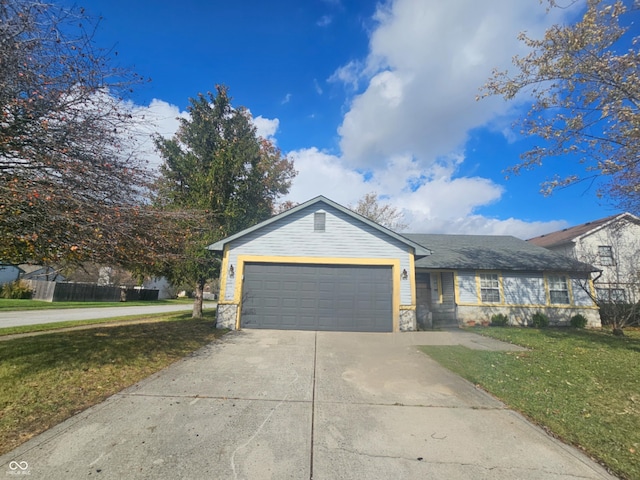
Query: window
(605, 254)
(611, 295)
(558, 290)
(489, 288)
(319, 219)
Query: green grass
(44, 327)
(581, 385)
(13, 305)
(48, 378)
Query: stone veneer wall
(226, 316)
(560, 317)
(407, 320)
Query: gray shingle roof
(491, 252)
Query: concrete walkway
(301, 405)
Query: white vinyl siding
(580, 296)
(489, 288)
(344, 237)
(525, 288)
(467, 288)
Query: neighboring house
(39, 272)
(320, 266)
(9, 273)
(612, 245)
(165, 289)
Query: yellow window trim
(479, 287)
(567, 279)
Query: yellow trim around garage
(412, 276)
(223, 274)
(394, 263)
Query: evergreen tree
(217, 165)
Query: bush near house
(499, 320)
(17, 290)
(539, 320)
(578, 321)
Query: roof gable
(572, 234)
(419, 250)
(492, 252)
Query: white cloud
(427, 60)
(440, 204)
(266, 127)
(404, 132)
(349, 74)
(159, 117)
(408, 125)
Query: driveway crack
(313, 403)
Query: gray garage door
(317, 297)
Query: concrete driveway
(264, 404)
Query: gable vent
(319, 220)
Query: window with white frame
(605, 255)
(558, 289)
(489, 288)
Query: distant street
(37, 317)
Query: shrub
(578, 321)
(539, 320)
(16, 290)
(499, 320)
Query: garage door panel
(317, 297)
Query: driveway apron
(264, 404)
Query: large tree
(217, 165)
(71, 189)
(583, 79)
(386, 215)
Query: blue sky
(364, 96)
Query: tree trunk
(618, 332)
(197, 301)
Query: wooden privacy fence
(87, 292)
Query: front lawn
(581, 385)
(48, 378)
